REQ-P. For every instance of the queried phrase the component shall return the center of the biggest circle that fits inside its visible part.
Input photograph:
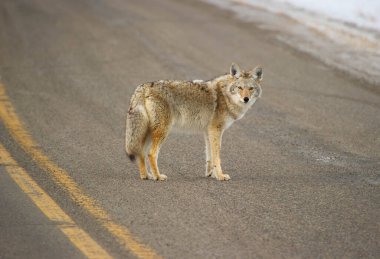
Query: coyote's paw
(222, 177)
(161, 177)
(209, 173)
(147, 177)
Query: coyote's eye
(251, 88)
(241, 88)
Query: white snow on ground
(341, 33)
(363, 13)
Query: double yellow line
(50, 208)
(63, 179)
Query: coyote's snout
(208, 107)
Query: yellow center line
(63, 179)
(48, 206)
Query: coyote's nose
(246, 99)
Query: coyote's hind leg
(158, 136)
(142, 167)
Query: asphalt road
(304, 162)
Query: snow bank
(343, 34)
(362, 13)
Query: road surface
(304, 162)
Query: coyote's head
(245, 86)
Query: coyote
(207, 107)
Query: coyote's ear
(235, 70)
(257, 73)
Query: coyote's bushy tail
(137, 124)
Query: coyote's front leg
(215, 139)
(208, 156)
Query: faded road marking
(52, 211)
(63, 179)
